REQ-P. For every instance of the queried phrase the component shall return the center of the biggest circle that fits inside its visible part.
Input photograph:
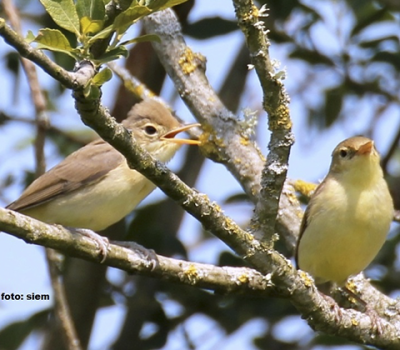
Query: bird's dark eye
(343, 153)
(150, 129)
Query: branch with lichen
(133, 258)
(205, 105)
(133, 85)
(136, 259)
(226, 137)
(276, 103)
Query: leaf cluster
(87, 19)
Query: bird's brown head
(155, 128)
(357, 157)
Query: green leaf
(102, 77)
(143, 38)
(333, 104)
(375, 43)
(392, 58)
(63, 12)
(92, 92)
(137, 10)
(158, 5)
(125, 19)
(93, 9)
(14, 334)
(105, 33)
(311, 57)
(54, 40)
(30, 37)
(91, 26)
(210, 27)
(113, 54)
(369, 15)
(13, 62)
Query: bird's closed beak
(366, 148)
(170, 136)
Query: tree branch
(352, 324)
(285, 281)
(133, 85)
(133, 258)
(276, 103)
(225, 136)
(224, 139)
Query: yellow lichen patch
(262, 157)
(217, 207)
(237, 161)
(192, 274)
(352, 287)
(354, 322)
(243, 278)
(251, 14)
(306, 278)
(305, 188)
(249, 236)
(254, 10)
(209, 135)
(189, 61)
(209, 142)
(280, 119)
(292, 197)
(229, 225)
(137, 90)
(244, 141)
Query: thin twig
(38, 98)
(276, 103)
(133, 85)
(68, 136)
(42, 124)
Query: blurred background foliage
(347, 58)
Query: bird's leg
(147, 254)
(334, 306)
(101, 241)
(376, 321)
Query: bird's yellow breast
(348, 227)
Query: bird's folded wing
(85, 166)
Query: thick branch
(224, 139)
(227, 141)
(352, 324)
(134, 258)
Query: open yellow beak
(366, 148)
(170, 136)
